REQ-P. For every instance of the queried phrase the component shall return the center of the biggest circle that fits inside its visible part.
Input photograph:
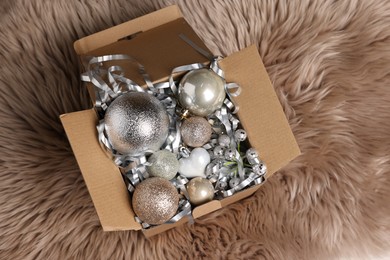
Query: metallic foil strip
(196, 47)
(184, 210)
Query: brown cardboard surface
(160, 50)
(113, 34)
(261, 113)
(102, 177)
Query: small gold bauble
(195, 131)
(200, 190)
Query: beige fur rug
(329, 62)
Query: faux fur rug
(329, 62)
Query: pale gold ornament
(155, 200)
(202, 92)
(200, 190)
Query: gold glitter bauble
(155, 200)
(200, 190)
(195, 131)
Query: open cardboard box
(154, 41)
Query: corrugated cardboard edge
(104, 181)
(110, 35)
(269, 133)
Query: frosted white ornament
(195, 164)
(163, 164)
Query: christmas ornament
(155, 200)
(234, 182)
(136, 122)
(163, 164)
(200, 190)
(218, 151)
(260, 168)
(252, 156)
(224, 140)
(229, 154)
(240, 135)
(201, 91)
(195, 131)
(195, 164)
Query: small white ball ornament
(201, 91)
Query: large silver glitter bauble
(201, 91)
(164, 164)
(195, 131)
(155, 200)
(136, 122)
(200, 190)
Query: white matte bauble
(202, 92)
(200, 190)
(195, 164)
(136, 122)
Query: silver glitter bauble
(229, 154)
(155, 200)
(240, 135)
(195, 131)
(200, 190)
(219, 151)
(253, 156)
(136, 122)
(164, 164)
(260, 168)
(234, 182)
(201, 91)
(224, 140)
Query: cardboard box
(157, 46)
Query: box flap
(103, 179)
(159, 50)
(261, 113)
(111, 35)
